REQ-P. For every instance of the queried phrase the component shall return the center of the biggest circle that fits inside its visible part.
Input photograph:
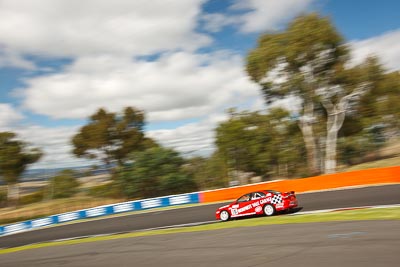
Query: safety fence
(390, 175)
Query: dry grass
(375, 164)
(51, 207)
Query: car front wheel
(224, 215)
(269, 210)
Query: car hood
(223, 207)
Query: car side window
(244, 198)
(258, 195)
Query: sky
(180, 61)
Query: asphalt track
(368, 196)
(330, 244)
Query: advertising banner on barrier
(101, 211)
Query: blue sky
(182, 62)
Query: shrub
(63, 185)
(3, 197)
(32, 198)
(110, 190)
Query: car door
(243, 206)
(256, 198)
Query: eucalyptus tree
(154, 172)
(264, 144)
(15, 156)
(111, 137)
(309, 61)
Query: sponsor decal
(177, 200)
(123, 207)
(245, 208)
(250, 206)
(264, 201)
(95, 212)
(279, 205)
(152, 203)
(41, 222)
(68, 217)
(258, 209)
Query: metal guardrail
(118, 208)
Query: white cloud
(215, 22)
(55, 143)
(269, 14)
(177, 86)
(257, 15)
(191, 139)
(385, 46)
(10, 58)
(103, 39)
(74, 28)
(9, 117)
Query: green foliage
(156, 171)
(209, 173)
(63, 185)
(110, 190)
(380, 106)
(354, 149)
(111, 137)
(32, 198)
(3, 197)
(15, 157)
(302, 44)
(264, 144)
(177, 183)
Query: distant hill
(44, 174)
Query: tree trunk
(336, 116)
(306, 126)
(330, 156)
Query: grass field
(51, 207)
(375, 164)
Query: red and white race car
(266, 202)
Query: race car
(263, 202)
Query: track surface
(330, 244)
(377, 195)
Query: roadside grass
(395, 161)
(392, 213)
(51, 207)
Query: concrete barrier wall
(355, 178)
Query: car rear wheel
(269, 210)
(224, 216)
